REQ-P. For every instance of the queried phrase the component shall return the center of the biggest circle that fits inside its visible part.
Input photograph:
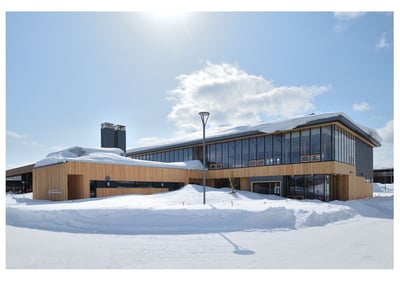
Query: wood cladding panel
(50, 178)
(359, 189)
(288, 169)
(106, 192)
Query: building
(326, 157)
(19, 180)
(384, 175)
(78, 173)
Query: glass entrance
(271, 187)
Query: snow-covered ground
(175, 231)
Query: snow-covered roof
(108, 156)
(267, 127)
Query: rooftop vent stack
(120, 137)
(113, 136)
(107, 135)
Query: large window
(344, 146)
(269, 160)
(260, 149)
(295, 147)
(253, 152)
(245, 152)
(238, 155)
(225, 155)
(315, 144)
(218, 154)
(286, 148)
(326, 143)
(277, 149)
(231, 151)
(305, 145)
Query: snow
(264, 127)
(109, 156)
(174, 230)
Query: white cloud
(383, 156)
(14, 134)
(382, 43)
(360, 107)
(386, 132)
(233, 96)
(343, 19)
(346, 16)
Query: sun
(166, 15)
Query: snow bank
(109, 156)
(182, 212)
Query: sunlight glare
(166, 15)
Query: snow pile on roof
(109, 156)
(290, 123)
(265, 127)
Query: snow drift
(182, 212)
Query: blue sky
(67, 72)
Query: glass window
(269, 158)
(225, 155)
(277, 149)
(291, 184)
(316, 141)
(305, 142)
(231, 152)
(295, 147)
(286, 148)
(190, 154)
(337, 143)
(238, 155)
(253, 149)
(245, 152)
(180, 155)
(319, 186)
(218, 153)
(342, 145)
(309, 186)
(260, 148)
(211, 155)
(185, 154)
(299, 190)
(326, 143)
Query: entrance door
(272, 187)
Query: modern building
(326, 157)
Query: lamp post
(204, 118)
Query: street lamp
(204, 118)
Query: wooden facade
(343, 162)
(71, 180)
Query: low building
(326, 157)
(384, 175)
(78, 173)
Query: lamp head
(204, 116)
